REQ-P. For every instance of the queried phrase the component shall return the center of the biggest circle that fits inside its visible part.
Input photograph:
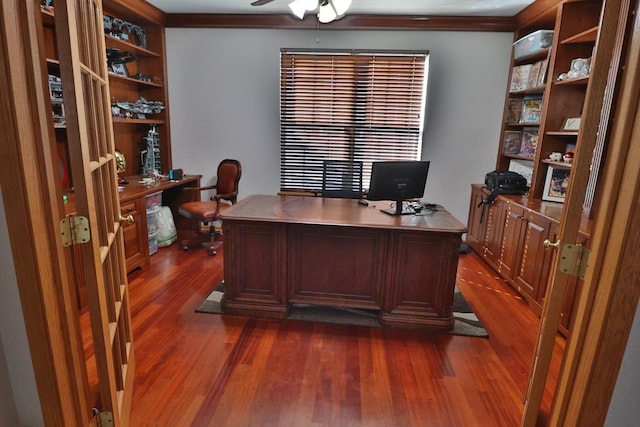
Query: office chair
(208, 212)
(342, 179)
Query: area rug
(466, 322)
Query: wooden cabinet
(533, 261)
(136, 248)
(509, 234)
(485, 226)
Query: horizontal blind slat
(362, 106)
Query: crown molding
(349, 22)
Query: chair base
(207, 240)
(211, 246)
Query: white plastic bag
(166, 228)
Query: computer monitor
(398, 181)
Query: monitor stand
(398, 210)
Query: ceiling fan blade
(260, 2)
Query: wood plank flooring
(197, 369)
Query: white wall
(224, 101)
(19, 401)
(624, 409)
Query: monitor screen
(398, 181)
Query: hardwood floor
(196, 369)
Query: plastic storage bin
(153, 243)
(154, 199)
(532, 43)
(153, 219)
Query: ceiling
(358, 7)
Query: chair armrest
(209, 187)
(225, 196)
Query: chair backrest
(342, 179)
(229, 173)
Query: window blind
(353, 106)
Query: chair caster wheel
(212, 252)
(185, 248)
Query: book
(531, 109)
(529, 142)
(514, 110)
(520, 77)
(511, 142)
(534, 74)
(542, 75)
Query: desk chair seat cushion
(203, 211)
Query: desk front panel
(336, 266)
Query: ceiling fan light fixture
(298, 8)
(327, 12)
(341, 6)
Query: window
(348, 105)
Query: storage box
(532, 43)
(153, 243)
(154, 199)
(153, 216)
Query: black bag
(504, 182)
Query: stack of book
(528, 76)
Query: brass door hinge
(74, 230)
(574, 260)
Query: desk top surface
(137, 187)
(339, 212)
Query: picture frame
(556, 184)
(571, 124)
(120, 69)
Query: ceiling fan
(328, 10)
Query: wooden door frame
(27, 179)
(606, 307)
(31, 187)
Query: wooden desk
(281, 250)
(133, 202)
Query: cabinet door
(534, 260)
(493, 231)
(477, 214)
(135, 235)
(511, 237)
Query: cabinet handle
(128, 219)
(548, 244)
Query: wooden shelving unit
(129, 133)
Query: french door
(83, 67)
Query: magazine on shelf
(531, 109)
(542, 75)
(534, 75)
(511, 142)
(529, 142)
(514, 110)
(520, 77)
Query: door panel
(79, 30)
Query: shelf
(532, 90)
(526, 124)
(519, 157)
(578, 81)
(541, 54)
(59, 126)
(132, 80)
(563, 133)
(48, 17)
(123, 45)
(588, 36)
(138, 121)
(557, 164)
